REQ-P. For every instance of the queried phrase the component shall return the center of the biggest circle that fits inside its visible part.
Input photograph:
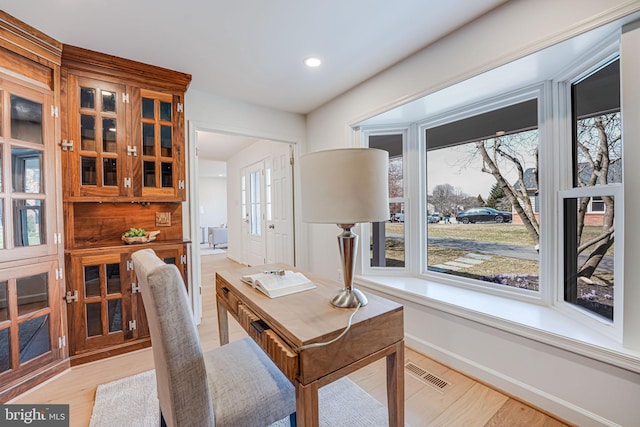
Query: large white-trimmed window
(576, 203)
(481, 177)
(592, 204)
(387, 240)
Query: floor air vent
(427, 377)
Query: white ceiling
(253, 50)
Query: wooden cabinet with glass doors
(123, 157)
(104, 302)
(123, 137)
(32, 324)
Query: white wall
(212, 192)
(579, 389)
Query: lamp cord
(320, 344)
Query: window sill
(533, 321)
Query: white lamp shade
(345, 186)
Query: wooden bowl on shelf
(148, 237)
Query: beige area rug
(132, 402)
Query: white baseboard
(508, 385)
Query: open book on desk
(278, 283)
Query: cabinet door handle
(259, 325)
(225, 290)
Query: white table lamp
(345, 187)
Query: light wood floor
(464, 402)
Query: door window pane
(165, 111)
(108, 102)
(4, 302)
(167, 174)
(34, 338)
(113, 279)
(26, 170)
(87, 98)
(91, 281)
(110, 172)
(115, 315)
(28, 222)
(87, 133)
(148, 139)
(109, 135)
(165, 141)
(94, 319)
(5, 350)
(255, 221)
(88, 165)
(33, 293)
(148, 108)
(149, 174)
(26, 119)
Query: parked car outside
(434, 218)
(483, 215)
(398, 217)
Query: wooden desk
(308, 317)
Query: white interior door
(279, 206)
(254, 221)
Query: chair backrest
(183, 390)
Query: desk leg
(395, 386)
(223, 324)
(307, 405)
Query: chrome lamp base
(348, 245)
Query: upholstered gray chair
(233, 385)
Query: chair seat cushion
(247, 387)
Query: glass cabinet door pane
(148, 139)
(26, 119)
(88, 174)
(149, 173)
(113, 279)
(91, 281)
(26, 170)
(148, 108)
(33, 293)
(28, 222)
(87, 133)
(165, 141)
(94, 319)
(167, 174)
(34, 338)
(5, 350)
(110, 171)
(115, 315)
(4, 303)
(108, 102)
(88, 98)
(109, 135)
(165, 111)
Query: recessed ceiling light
(312, 61)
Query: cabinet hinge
(183, 259)
(132, 150)
(62, 341)
(71, 297)
(127, 183)
(129, 265)
(180, 107)
(59, 273)
(54, 111)
(132, 325)
(67, 145)
(135, 288)
(181, 184)
(125, 98)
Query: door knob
(271, 226)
